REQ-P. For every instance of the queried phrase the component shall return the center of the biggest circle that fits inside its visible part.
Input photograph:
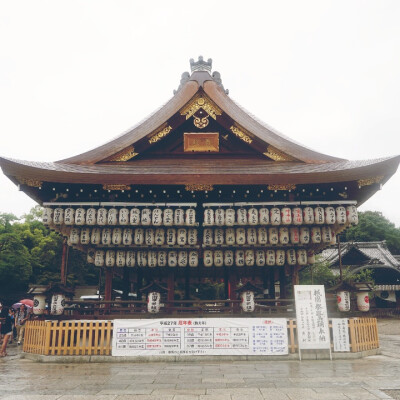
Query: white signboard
(200, 336)
(340, 332)
(312, 317)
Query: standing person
(20, 319)
(6, 330)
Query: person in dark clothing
(6, 329)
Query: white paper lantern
(304, 235)
(91, 216)
(179, 217)
(280, 257)
(90, 256)
(247, 301)
(218, 258)
(273, 235)
(58, 216)
(120, 258)
(207, 236)
(319, 215)
(69, 216)
(138, 236)
(95, 237)
(260, 258)
(80, 216)
(141, 259)
(152, 259)
(112, 216)
(57, 304)
(172, 258)
(283, 235)
(193, 259)
(270, 258)
(252, 216)
(308, 215)
(208, 258)
(134, 216)
(326, 234)
(363, 301)
(352, 215)
(249, 258)
(159, 237)
(110, 258)
(149, 237)
(130, 258)
(294, 235)
(153, 302)
(157, 217)
(297, 216)
(316, 234)
(302, 257)
(127, 236)
(240, 236)
(229, 217)
(228, 258)
(190, 217)
(171, 237)
(330, 215)
(74, 236)
(343, 300)
(106, 236)
(251, 236)
(208, 217)
(99, 258)
(192, 236)
(275, 216)
(218, 236)
(219, 217)
(39, 304)
(241, 216)
(263, 215)
(239, 258)
(341, 217)
(123, 216)
(310, 257)
(162, 258)
(145, 217)
(168, 217)
(286, 216)
(230, 236)
(116, 236)
(291, 256)
(102, 216)
(262, 236)
(182, 237)
(85, 236)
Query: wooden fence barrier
(79, 337)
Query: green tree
(318, 274)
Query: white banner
(200, 336)
(312, 317)
(340, 335)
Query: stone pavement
(374, 377)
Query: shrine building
(201, 189)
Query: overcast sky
(74, 74)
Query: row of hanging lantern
(129, 236)
(273, 236)
(152, 259)
(123, 216)
(281, 216)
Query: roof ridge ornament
(201, 65)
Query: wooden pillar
(171, 290)
(64, 262)
(282, 282)
(295, 275)
(108, 287)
